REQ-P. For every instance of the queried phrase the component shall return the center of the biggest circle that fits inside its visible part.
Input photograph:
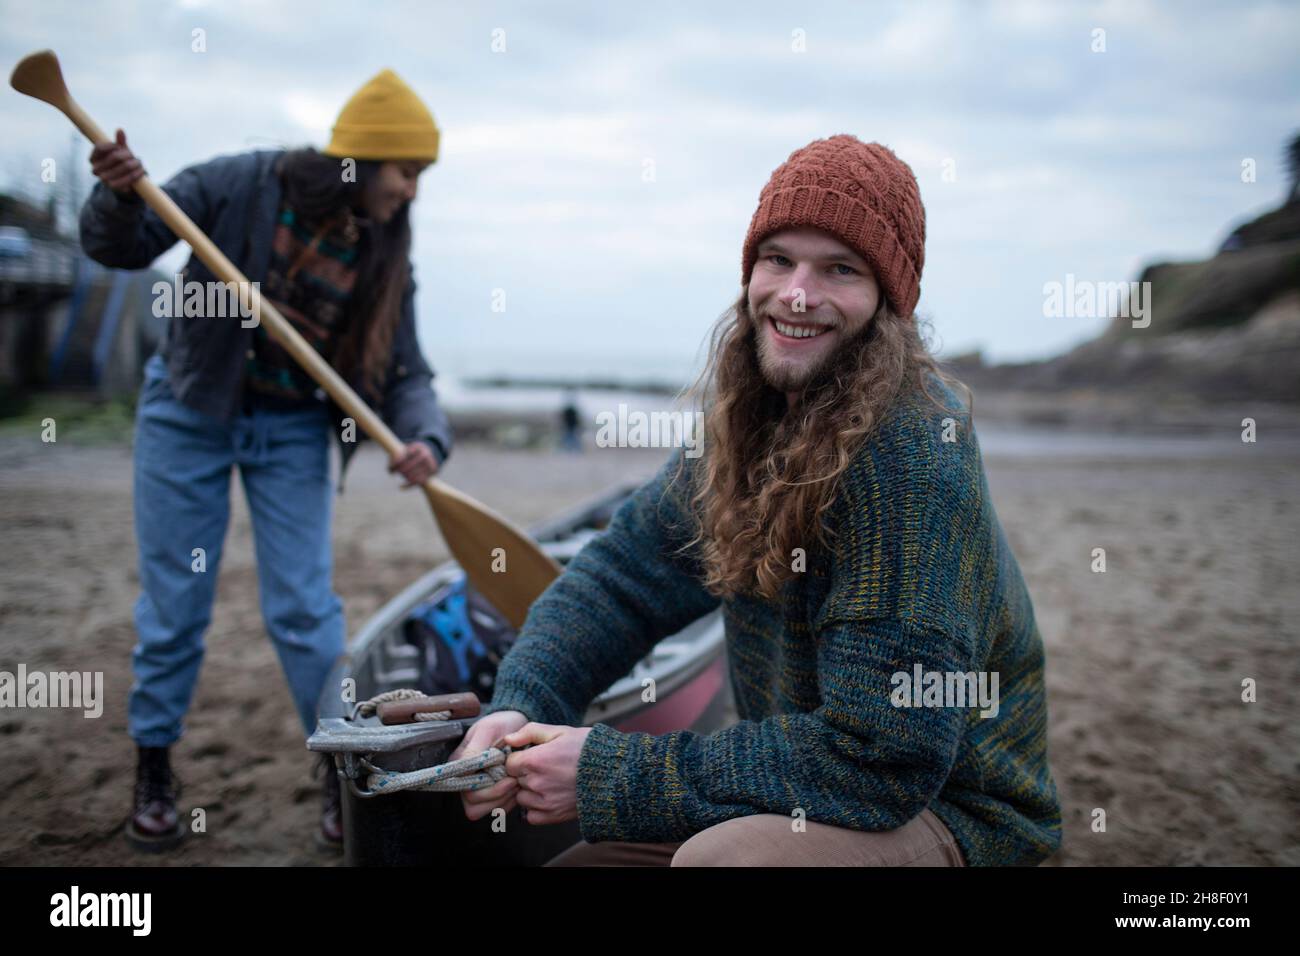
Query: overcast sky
(1066, 160)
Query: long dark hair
(316, 188)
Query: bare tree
(1293, 166)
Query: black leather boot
(329, 836)
(155, 824)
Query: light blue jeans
(183, 462)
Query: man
(841, 516)
(327, 237)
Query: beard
(786, 375)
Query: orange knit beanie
(862, 194)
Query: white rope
(469, 773)
(368, 708)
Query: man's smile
(797, 332)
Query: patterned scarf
(309, 279)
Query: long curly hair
(769, 474)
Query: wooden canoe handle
(404, 711)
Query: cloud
(1065, 159)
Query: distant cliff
(1223, 328)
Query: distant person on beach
(885, 661)
(570, 432)
(327, 235)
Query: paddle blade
(502, 563)
(39, 75)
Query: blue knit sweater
(919, 572)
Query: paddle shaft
(276, 324)
(479, 539)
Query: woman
(326, 235)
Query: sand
(1144, 662)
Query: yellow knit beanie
(385, 120)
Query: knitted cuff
(533, 702)
(603, 756)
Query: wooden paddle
(502, 563)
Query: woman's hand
(116, 165)
(416, 464)
(483, 734)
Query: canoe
(392, 651)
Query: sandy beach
(1144, 662)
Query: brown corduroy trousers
(769, 839)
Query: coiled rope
(368, 708)
(468, 773)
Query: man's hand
(483, 734)
(116, 165)
(547, 772)
(416, 464)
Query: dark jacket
(234, 199)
